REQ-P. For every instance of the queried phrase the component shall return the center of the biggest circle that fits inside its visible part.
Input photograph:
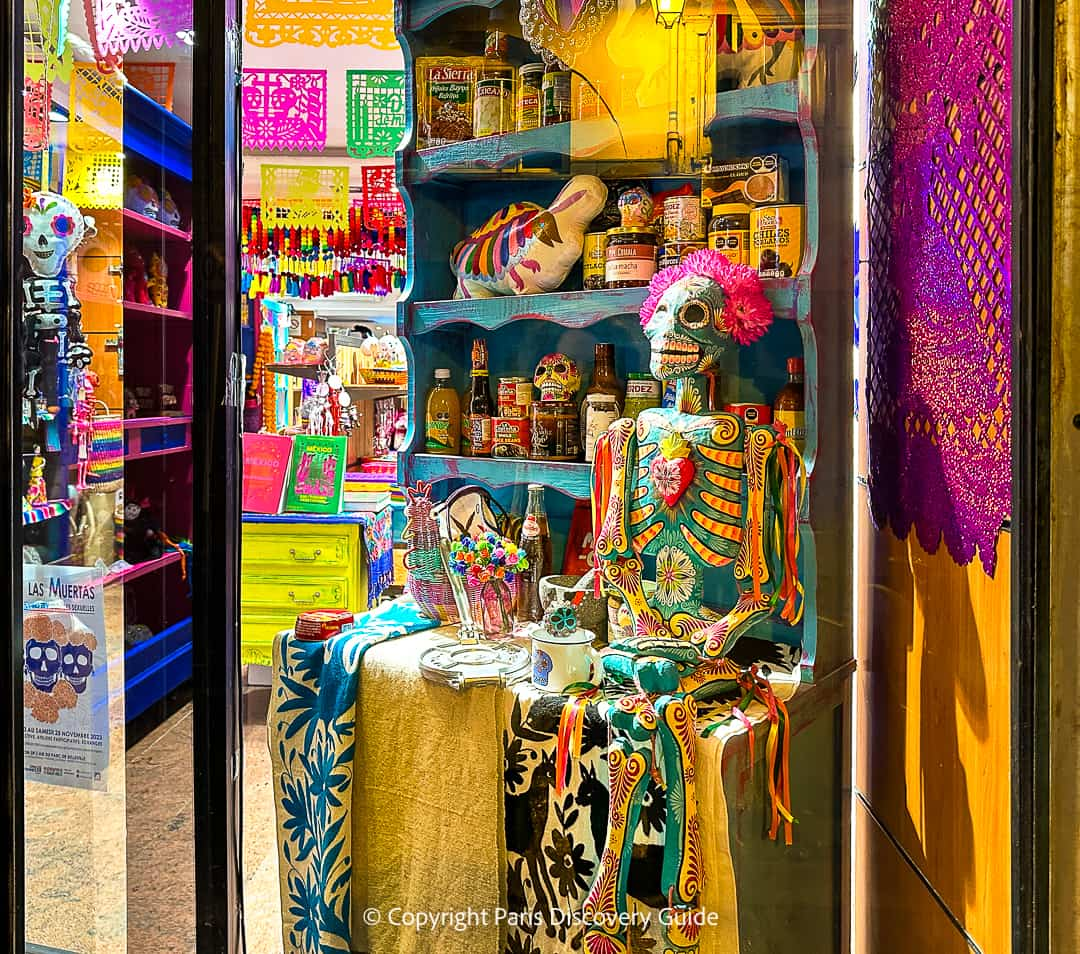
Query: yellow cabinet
(293, 562)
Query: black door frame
(11, 705)
(1032, 308)
(216, 455)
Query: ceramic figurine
(557, 378)
(36, 491)
(53, 229)
(135, 286)
(713, 502)
(141, 198)
(170, 214)
(157, 284)
(524, 249)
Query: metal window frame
(1033, 96)
(216, 443)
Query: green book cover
(317, 475)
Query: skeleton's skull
(53, 227)
(42, 662)
(686, 334)
(77, 663)
(557, 378)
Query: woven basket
(106, 462)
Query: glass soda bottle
(536, 543)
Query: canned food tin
(593, 260)
(513, 397)
(630, 258)
(729, 234)
(555, 433)
(510, 437)
(674, 253)
(684, 220)
(751, 413)
(776, 240)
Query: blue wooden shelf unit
(453, 188)
(157, 450)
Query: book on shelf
(266, 467)
(365, 502)
(317, 477)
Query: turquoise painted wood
(577, 309)
(778, 102)
(566, 477)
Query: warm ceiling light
(668, 12)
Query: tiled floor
(161, 890)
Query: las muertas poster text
(65, 678)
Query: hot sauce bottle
(480, 407)
(789, 407)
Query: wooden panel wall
(933, 731)
(1065, 495)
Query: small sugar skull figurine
(170, 214)
(141, 198)
(557, 378)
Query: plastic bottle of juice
(442, 423)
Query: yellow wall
(933, 736)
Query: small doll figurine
(36, 491)
(82, 424)
(135, 286)
(157, 284)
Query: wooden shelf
(773, 101)
(142, 569)
(572, 478)
(472, 158)
(140, 227)
(579, 309)
(358, 392)
(152, 311)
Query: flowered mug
(565, 660)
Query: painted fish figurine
(524, 249)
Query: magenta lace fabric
(938, 204)
(285, 109)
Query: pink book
(266, 467)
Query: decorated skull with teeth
(77, 664)
(686, 332)
(557, 378)
(41, 659)
(53, 228)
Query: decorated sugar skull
(41, 659)
(170, 214)
(53, 228)
(141, 198)
(557, 377)
(698, 312)
(77, 664)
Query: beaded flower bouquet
(489, 565)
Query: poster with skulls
(65, 681)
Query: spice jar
(729, 234)
(630, 260)
(555, 98)
(593, 260)
(555, 432)
(530, 81)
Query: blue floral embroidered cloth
(312, 733)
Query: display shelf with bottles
(452, 188)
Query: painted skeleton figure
(712, 503)
(53, 228)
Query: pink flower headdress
(747, 312)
